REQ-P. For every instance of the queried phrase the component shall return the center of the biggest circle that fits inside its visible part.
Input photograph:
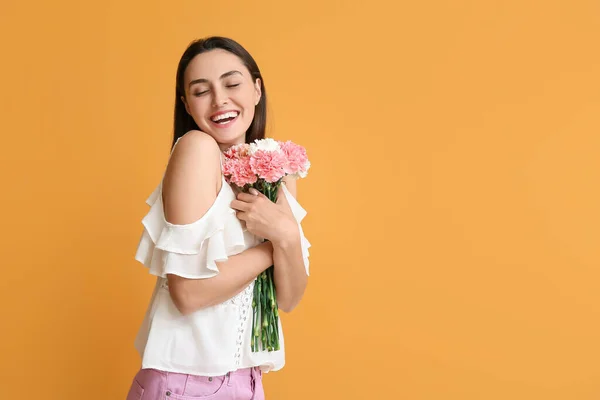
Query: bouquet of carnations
(262, 165)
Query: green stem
(254, 312)
(257, 331)
(265, 316)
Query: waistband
(252, 371)
(176, 379)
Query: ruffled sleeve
(191, 250)
(299, 214)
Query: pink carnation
(238, 171)
(268, 165)
(296, 157)
(238, 151)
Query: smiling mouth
(223, 119)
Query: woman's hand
(265, 219)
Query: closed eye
(206, 91)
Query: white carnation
(303, 172)
(267, 144)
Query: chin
(234, 137)
(231, 139)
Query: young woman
(202, 239)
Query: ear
(257, 91)
(187, 108)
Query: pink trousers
(152, 384)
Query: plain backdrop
(452, 200)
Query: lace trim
(244, 301)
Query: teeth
(231, 114)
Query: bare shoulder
(290, 183)
(191, 181)
(197, 142)
(194, 150)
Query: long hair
(183, 122)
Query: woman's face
(221, 96)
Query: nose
(219, 98)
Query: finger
(241, 215)
(239, 205)
(257, 193)
(246, 197)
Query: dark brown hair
(183, 122)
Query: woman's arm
(235, 275)
(190, 187)
(290, 273)
(276, 222)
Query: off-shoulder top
(214, 340)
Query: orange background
(453, 202)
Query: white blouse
(214, 340)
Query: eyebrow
(225, 75)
